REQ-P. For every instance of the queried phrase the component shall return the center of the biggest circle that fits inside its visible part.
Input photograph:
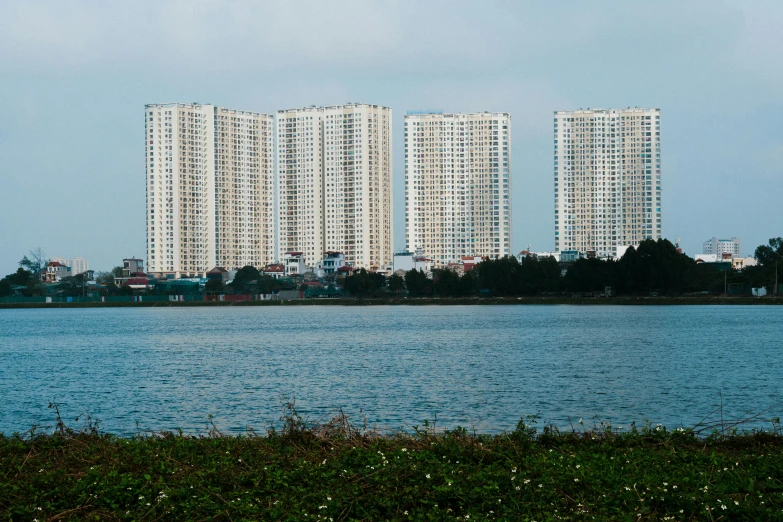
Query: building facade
(300, 181)
(720, 246)
(607, 179)
(334, 182)
(210, 188)
(458, 185)
(79, 265)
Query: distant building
(469, 262)
(132, 265)
(132, 268)
(222, 274)
(406, 261)
(719, 246)
(707, 258)
(276, 271)
(607, 179)
(294, 263)
(738, 263)
(569, 256)
(55, 271)
(458, 184)
(526, 253)
(79, 265)
(209, 188)
(331, 262)
(334, 175)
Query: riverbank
(623, 300)
(336, 472)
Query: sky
(75, 76)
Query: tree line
(655, 267)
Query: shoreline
(402, 301)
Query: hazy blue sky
(74, 78)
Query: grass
(335, 471)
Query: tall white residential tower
(210, 188)
(458, 184)
(300, 162)
(334, 183)
(607, 179)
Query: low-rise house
(55, 271)
(457, 268)
(132, 268)
(738, 263)
(222, 274)
(345, 270)
(470, 262)
(294, 263)
(277, 270)
(331, 262)
(138, 283)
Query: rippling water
(482, 366)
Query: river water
(480, 367)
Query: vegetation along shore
(433, 301)
(336, 471)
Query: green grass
(335, 471)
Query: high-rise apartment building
(334, 183)
(458, 185)
(300, 180)
(607, 179)
(79, 265)
(210, 188)
(722, 246)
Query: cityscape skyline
(81, 71)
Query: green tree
(768, 255)
(360, 284)
(243, 276)
(445, 282)
(396, 283)
(418, 284)
(467, 284)
(106, 278)
(214, 286)
(35, 263)
(73, 285)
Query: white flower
(403, 449)
(428, 475)
(723, 506)
(329, 498)
(576, 480)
